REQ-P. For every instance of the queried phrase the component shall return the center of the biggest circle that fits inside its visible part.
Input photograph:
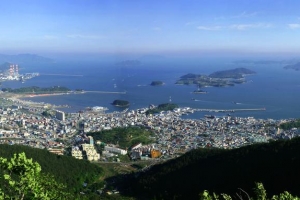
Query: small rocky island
(157, 83)
(216, 79)
(294, 67)
(120, 103)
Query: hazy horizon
(192, 28)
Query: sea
(272, 87)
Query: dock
(105, 92)
(230, 110)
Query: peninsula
(232, 73)
(37, 90)
(216, 79)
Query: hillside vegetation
(124, 137)
(37, 90)
(162, 107)
(67, 170)
(274, 164)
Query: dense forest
(275, 164)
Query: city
(23, 122)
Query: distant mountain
(294, 66)
(275, 164)
(129, 63)
(151, 57)
(262, 62)
(24, 58)
(4, 66)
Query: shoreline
(18, 98)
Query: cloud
(242, 27)
(80, 36)
(156, 28)
(238, 16)
(190, 23)
(294, 26)
(50, 37)
(245, 15)
(209, 28)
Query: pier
(231, 110)
(61, 74)
(105, 92)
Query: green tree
(260, 193)
(23, 180)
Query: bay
(273, 88)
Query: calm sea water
(273, 88)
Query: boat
(199, 91)
(209, 116)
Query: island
(157, 83)
(121, 103)
(237, 73)
(216, 79)
(294, 66)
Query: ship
(209, 116)
(199, 91)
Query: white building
(60, 115)
(115, 150)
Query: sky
(149, 27)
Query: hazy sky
(149, 26)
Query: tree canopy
(23, 179)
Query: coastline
(18, 98)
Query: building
(91, 140)
(77, 153)
(115, 150)
(60, 115)
(155, 153)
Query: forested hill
(67, 170)
(275, 164)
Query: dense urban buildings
(24, 124)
